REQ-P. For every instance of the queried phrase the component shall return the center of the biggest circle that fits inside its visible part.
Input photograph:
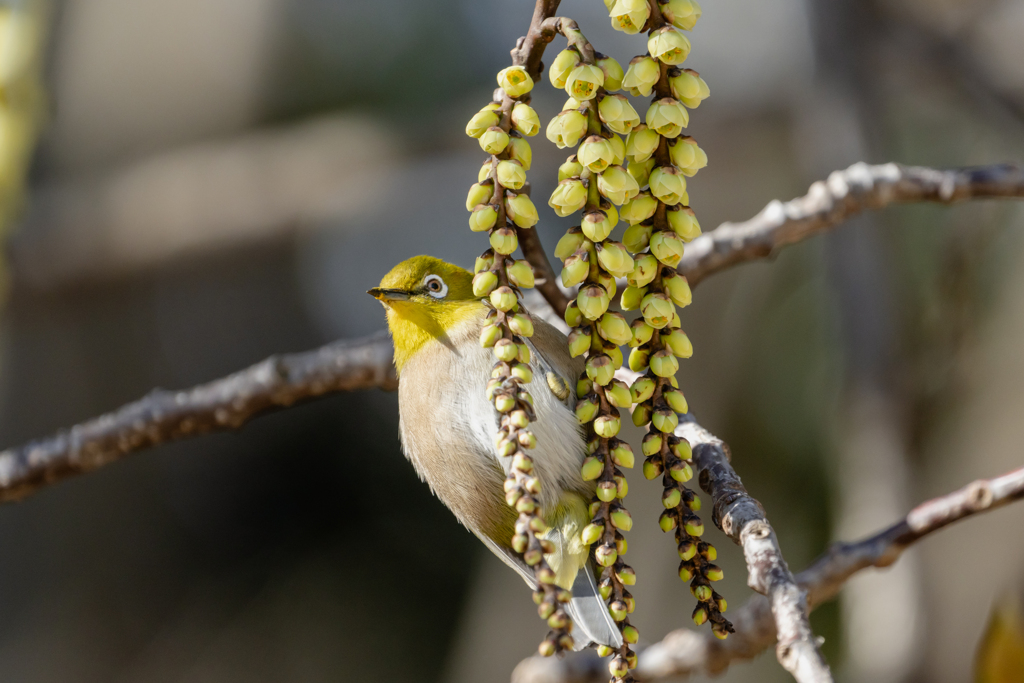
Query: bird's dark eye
(435, 286)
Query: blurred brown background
(223, 179)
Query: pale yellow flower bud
(494, 140)
(591, 470)
(504, 241)
(642, 143)
(573, 317)
(569, 197)
(520, 274)
(596, 153)
(676, 401)
(515, 81)
(637, 210)
(482, 218)
(525, 120)
(489, 335)
(642, 389)
(629, 16)
(621, 519)
(682, 13)
(484, 283)
(637, 236)
(668, 184)
(668, 45)
(689, 88)
(519, 150)
(657, 310)
(638, 359)
(607, 426)
(641, 76)
(612, 72)
(572, 168)
(664, 364)
(687, 155)
(511, 174)
(479, 193)
(614, 258)
(618, 395)
(600, 369)
(679, 344)
(618, 149)
(632, 297)
(485, 171)
(616, 185)
(618, 114)
(613, 327)
(641, 331)
(584, 81)
(683, 221)
(606, 281)
(667, 248)
(481, 121)
(579, 341)
(570, 242)
(641, 171)
(567, 128)
(575, 270)
(521, 211)
(504, 299)
(572, 104)
(597, 225)
(679, 289)
(483, 262)
(645, 269)
(521, 324)
(593, 301)
(561, 66)
(667, 117)
(614, 352)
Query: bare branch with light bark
(684, 652)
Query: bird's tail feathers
(590, 615)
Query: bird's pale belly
(448, 429)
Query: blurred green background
(220, 180)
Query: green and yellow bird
(448, 427)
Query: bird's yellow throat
(415, 323)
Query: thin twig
(221, 405)
(528, 52)
(684, 652)
(831, 202)
(742, 518)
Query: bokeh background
(220, 180)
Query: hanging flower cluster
(594, 181)
(660, 158)
(498, 205)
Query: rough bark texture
(742, 518)
(224, 404)
(843, 195)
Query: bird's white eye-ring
(435, 286)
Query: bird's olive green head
(425, 298)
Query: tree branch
(230, 402)
(221, 405)
(742, 518)
(685, 652)
(831, 202)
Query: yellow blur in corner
(22, 100)
(1000, 657)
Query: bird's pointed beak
(386, 295)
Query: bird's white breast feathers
(448, 426)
